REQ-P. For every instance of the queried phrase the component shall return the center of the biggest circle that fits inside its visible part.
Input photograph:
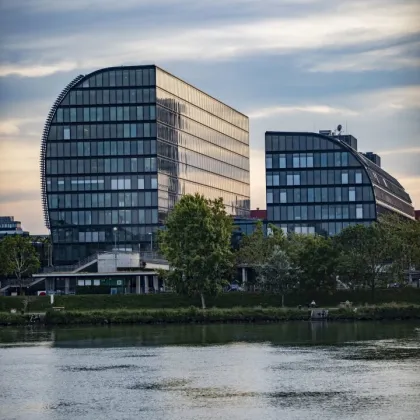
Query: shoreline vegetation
(194, 315)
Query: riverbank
(195, 315)
(132, 302)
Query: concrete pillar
(244, 276)
(138, 285)
(66, 286)
(146, 284)
(156, 283)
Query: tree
(316, 258)
(256, 248)
(404, 241)
(277, 274)
(197, 245)
(19, 257)
(365, 255)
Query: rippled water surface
(298, 370)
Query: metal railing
(72, 268)
(147, 257)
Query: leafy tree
(197, 245)
(277, 274)
(256, 248)
(316, 258)
(19, 257)
(365, 255)
(404, 241)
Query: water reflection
(284, 334)
(296, 370)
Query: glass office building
(121, 145)
(318, 183)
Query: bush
(225, 300)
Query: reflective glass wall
(202, 146)
(315, 184)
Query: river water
(296, 370)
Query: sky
(297, 65)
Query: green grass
(225, 300)
(213, 315)
(223, 315)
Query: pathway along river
(296, 370)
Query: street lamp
(115, 230)
(151, 242)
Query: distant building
(10, 226)
(320, 183)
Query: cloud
(310, 109)
(112, 5)
(350, 24)
(394, 98)
(404, 151)
(14, 127)
(37, 70)
(8, 128)
(388, 58)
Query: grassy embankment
(229, 307)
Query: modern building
(121, 145)
(10, 226)
(320, 183)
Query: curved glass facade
(121, 145)
(318, 184)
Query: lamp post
(115, 229)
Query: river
(295, 370)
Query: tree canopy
(366, 255)
(19, 257)
(197, 245)
(277, 274)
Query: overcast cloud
(290, 65)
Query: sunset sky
(298, 65)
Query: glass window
(66, 133)
(359, 211)
(282, 161)
(344, 159)
(311, 196)
(344, 178)
(296, 179)
(154, 183)
(310, 160)
(269, 197)
(352, 194)
(296, 161)
(337, 159)
(358, 177)
(283, 196)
